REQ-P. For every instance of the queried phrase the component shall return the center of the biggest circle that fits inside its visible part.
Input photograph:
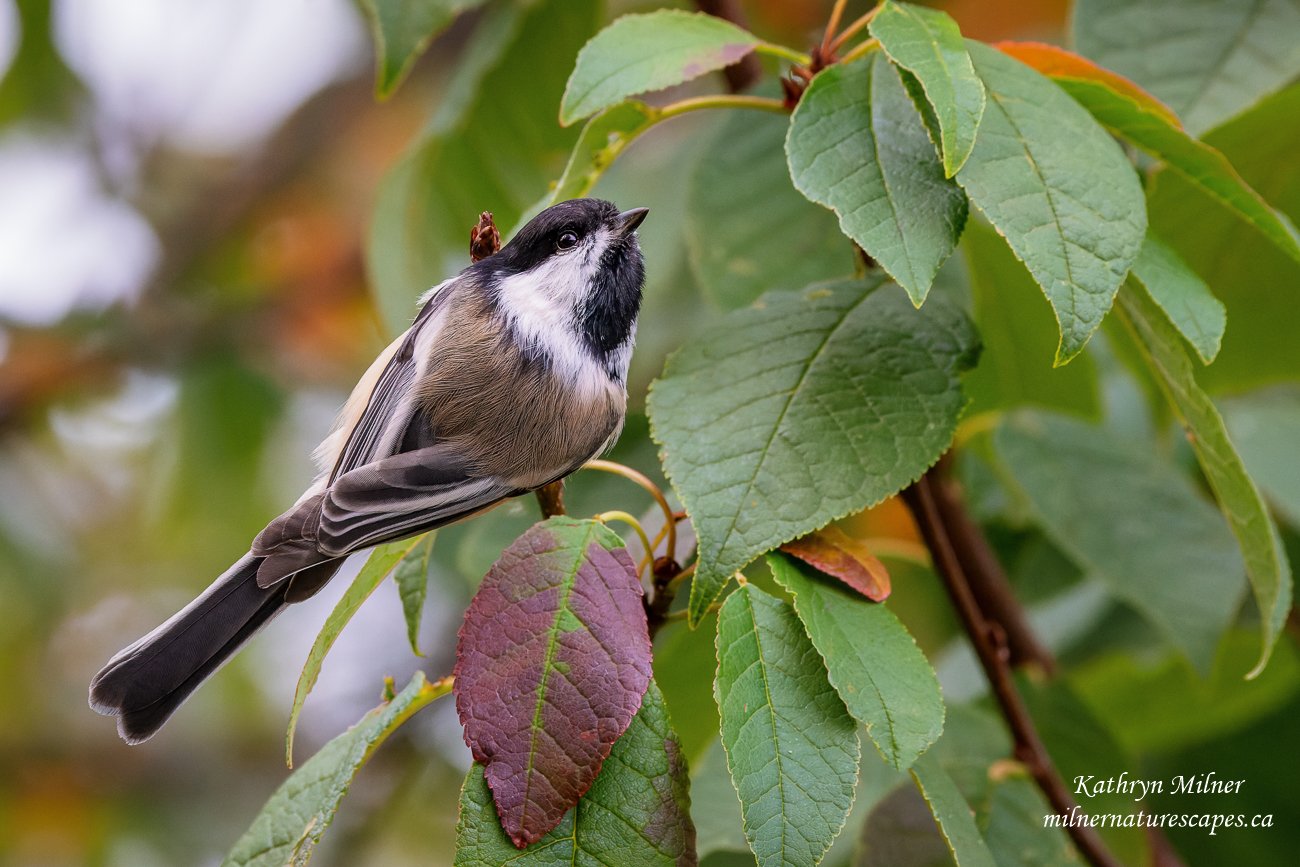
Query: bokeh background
(186, 191)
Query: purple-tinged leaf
(637, 812)
(552, 663)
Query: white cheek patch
(542, 307)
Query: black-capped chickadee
(512, 376)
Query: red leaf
(551, 665)
(834, 552)
(1056, 62)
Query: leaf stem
(862, 49)
(773, 49)
(681, 615)
(852, 30)
(624, 517)
(832, 24)
(988, 639)
(721, 100)
(654, 490)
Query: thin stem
(987, 639)
(619, 515)
(659, 538)
(550, 499)
(832, 24)
(721, 100)
(681, 615)
(681, 576)
(860, 50)
(644, 481)
(773, 49)
(853, 29)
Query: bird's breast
(516, 413)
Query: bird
(512, 375)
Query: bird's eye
(567, 240)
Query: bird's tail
(145, 683)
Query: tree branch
(988, 581)
(989, 640)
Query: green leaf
(1265, 425)
(928, 44)
(1259, 349)
(1059, 189)
(1193, 159)
(899, 831)
(747, 230)
(636, 812)
(792, 748)
(951, 813)
(295, 817)
(412, 577)
(1239, 499)
(872, 661)
(601, 141)
(1166, 707)
(857, 146)
(1130, 520)
(639, 53)
(1013, 827)
(382, 560)
(719, 824)
(1019, 335)
(687, 685)
(1207, 59)
(1183, 296)
(552, 660)
(402, 30)
(474, 156)
(803, 409)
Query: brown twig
(667, 577)
(852, 30)
(988, 581)
(550, 498)
(988, 639)
(743, 74)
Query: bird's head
(576, 266)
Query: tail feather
(145, 683)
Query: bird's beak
(629, 220)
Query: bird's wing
(402, 495)
(387, 411)
(387, 499)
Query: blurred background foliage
(197, 198)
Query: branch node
(484, 239)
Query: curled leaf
(836, 553)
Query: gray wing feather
(375, 495)
(402, 495)
(390, 407)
